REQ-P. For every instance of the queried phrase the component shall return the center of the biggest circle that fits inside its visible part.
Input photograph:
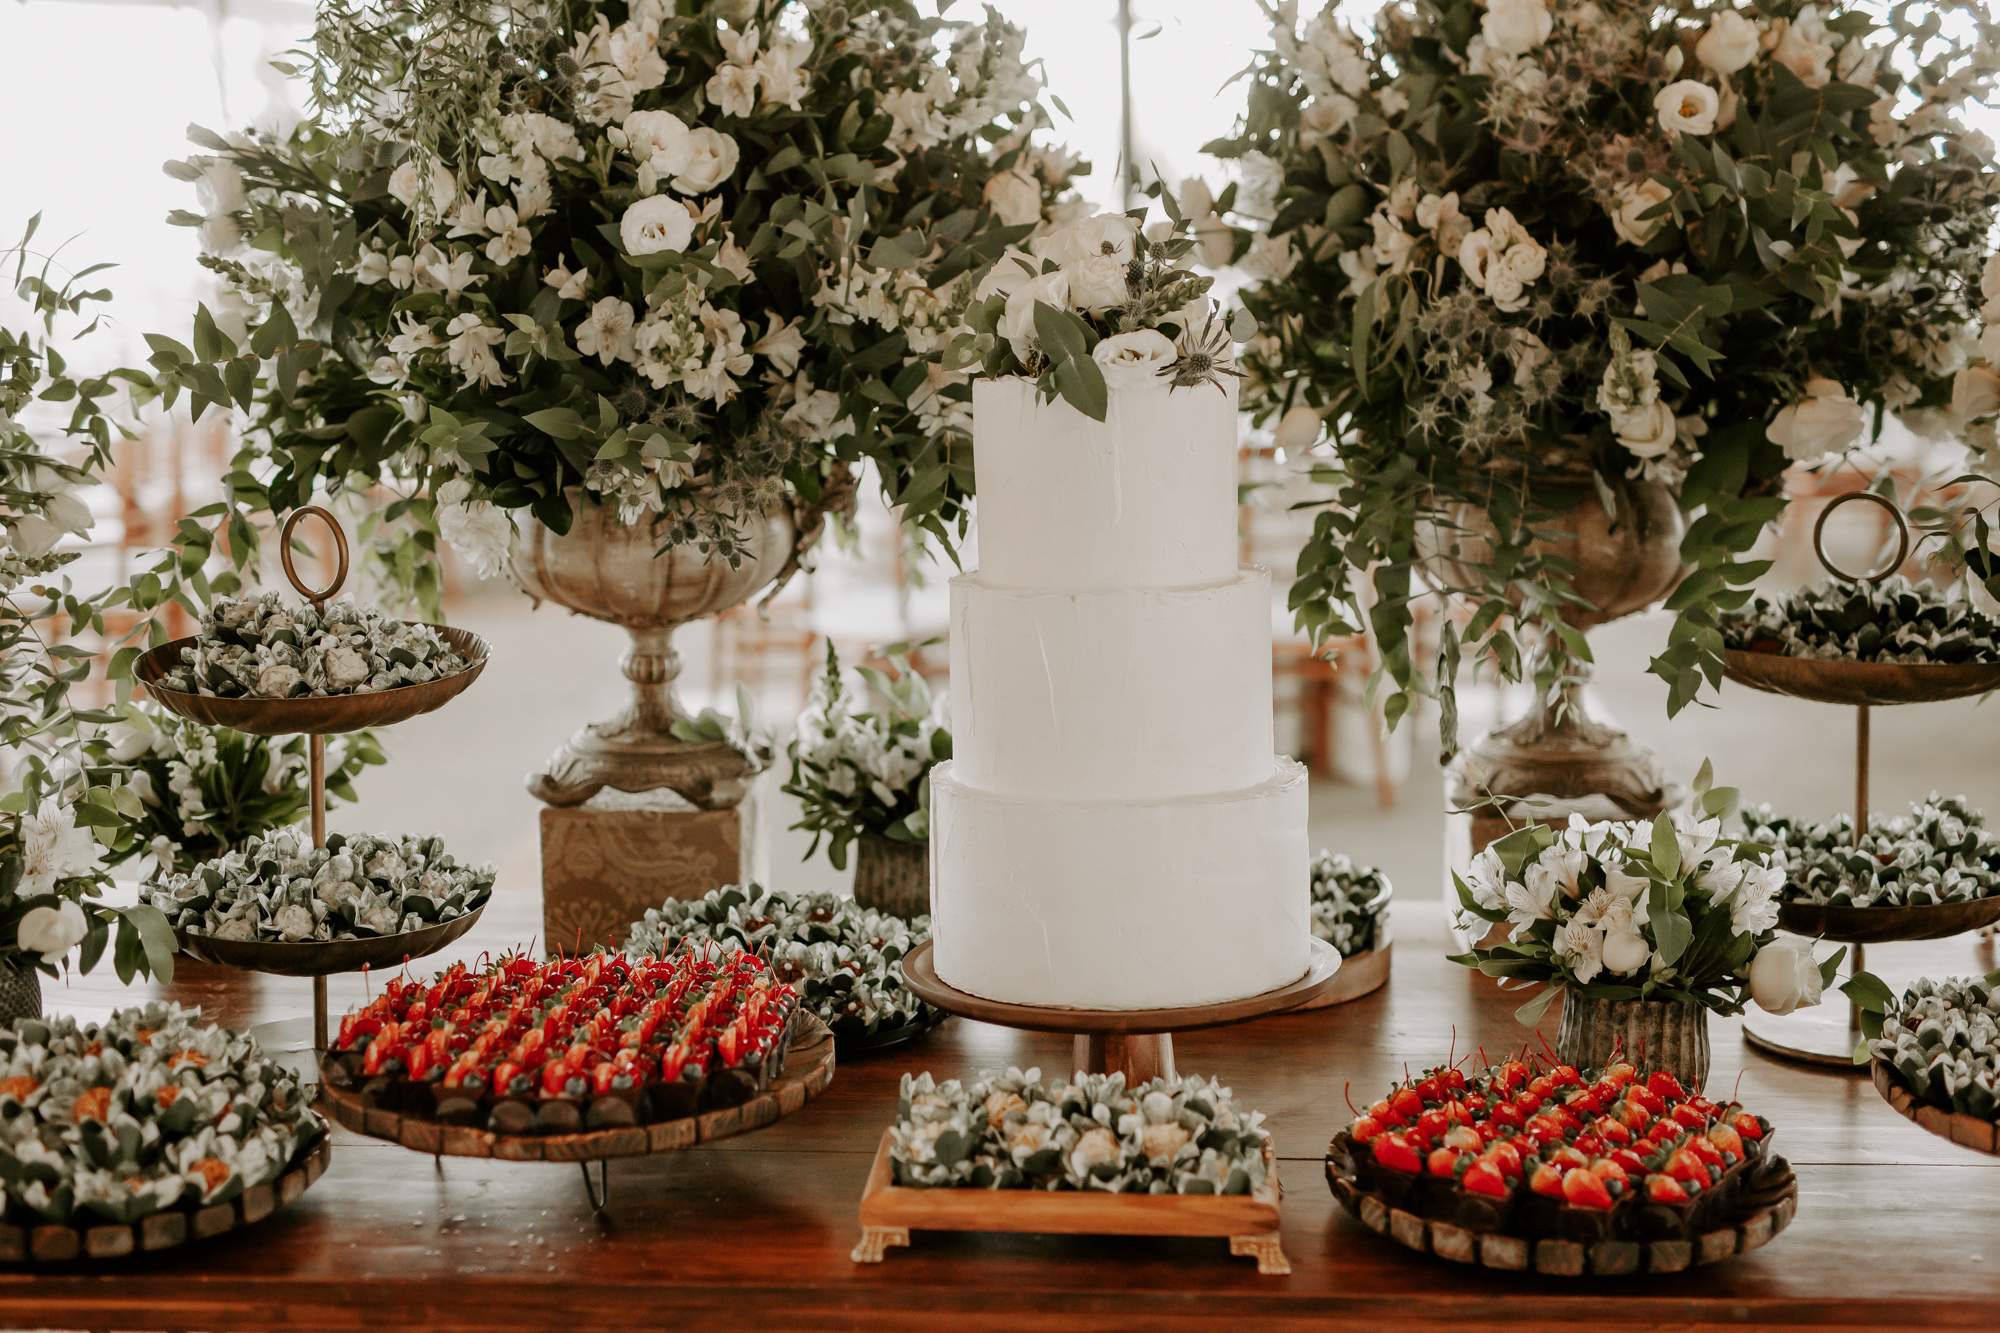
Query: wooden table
(1894, 1226)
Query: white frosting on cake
(1137, 692)
(1120, 904)
(1145, 498)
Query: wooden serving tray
(1768, 1208)
(168, 1227)
(808, 1070)
(889, 1212)
(1967, 1131)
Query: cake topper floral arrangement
(1528, 250)
(698, 259)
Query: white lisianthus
(1017, 323)
(52, 931)
(1687, 107)
(53, 849)
(1134, 358)
(1783, 978)
(712, 158)
(1730, 43)
(1634, 201)
(1015, 198)
(1516, 26)
(1825, 421)
(1298, 430)
(653, 225)
(1975, 390)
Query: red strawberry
(1507, 1157)
(1443, 1161)
(1748, 1126)
(1585, 1190)
(1484, 1177)
(1548, 1179)
(1365, 1129)
(1727, 1139)
(1394, 1151)
(1664, 1084)
(1665, 1189)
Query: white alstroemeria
(1730, 43)
(53, 848)
(606, 332)
(569, 286)
(1825, 421)
(470, 350)
(711, 160)
(1686, 107)
(1581, 948)
(510, 239)
(1516, 26)
(654, 225)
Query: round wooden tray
(1767, 1208)
(1836, 682)
(323, 958)
(324, 716)
(920, 970)
(169, 1227)
(808, 1070)
(1967, 1131)
(1877, 925)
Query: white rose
(1134, 358)
(659, 138)
(1633, 201)
(1783, 978)
(1097, 283)
(1516, 26)
(1014, 198)
(1687, 107)
(1824, 421)
(1017, 324)
(712, 159)
(1648, 432)
(1298, 430)
(656, 224)
(1975, 391)
(52, 931)
(1730, 43)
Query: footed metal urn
(612, 571)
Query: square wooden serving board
(890, 1212)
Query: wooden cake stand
(1135, 1042)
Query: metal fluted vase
(20, 994)
(613, 571)
(1654, 1034)
(893, 877)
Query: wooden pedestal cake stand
(1827, 1034)
(1136, 1042)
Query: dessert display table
(758, 1230)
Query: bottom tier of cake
(1120, 904)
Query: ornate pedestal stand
(1827, 1035)
(293, 1041)
(1137, 1042)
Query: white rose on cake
(1134, 358)
(1824, 421)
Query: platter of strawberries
(577, 1059)
(1563, 1171)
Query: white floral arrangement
(845, 959)
(1942, 1042)
(282, 889)
(261, 648)
(147, 1111)
(1941, 852)
(1347, 902)
(861, 774)
(1012, 1131)
(1891, 621)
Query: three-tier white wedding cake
(1113, 830)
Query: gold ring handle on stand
(340, 543)
(1819, 532)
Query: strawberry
(1665, 1189)
(1394, 1152)
(1365, 1129)
(1464, 1138)
(1506, 1113)
(1584, 1102)
(1727, 1139)
(1748, 1126)
(1507, 1157)
(1685, 1167)
(1607, 1170)
(1664, 1084)
(1548, 1179)
(1443, 1161)
(1689, 1116)
(1611, 1131)
(1585, 1190)
(1484, 1177)
(1634, 1164)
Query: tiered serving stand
(293, 1042)
(1827, 1035)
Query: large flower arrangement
(697, 258)
(1521, 251)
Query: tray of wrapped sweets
(576, 1059)
(1565, 1172)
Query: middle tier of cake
(1146, 692)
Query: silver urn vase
(1654, 1034)
(609, 570)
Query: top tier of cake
(1145, 498)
